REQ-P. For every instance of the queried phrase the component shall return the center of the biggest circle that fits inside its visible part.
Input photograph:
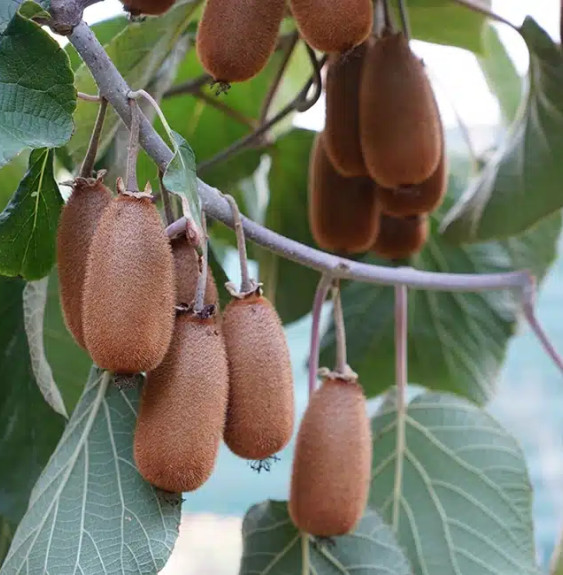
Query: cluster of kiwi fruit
(127, 294)
(379, 167)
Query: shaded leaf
(522, 182)
(272, 544)
(34, 301)
(10, 176)
(28, 224)
(38, 96)
(8, 9)
(90, 511)
(465, 502)
(6, 534)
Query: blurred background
(530, 392)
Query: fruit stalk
(245, 282)
(133, 149)
(90, 157)
(199, 302)
(341, 359)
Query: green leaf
(30, 9)
(180, 176)
(138, 52)
(465, 501)
(29, 428)
(456, 341)
(10, 176)
(8, 9)
(501, 74)
(28, 224)
(273, 546)
(90, 511)
(556, 563)
(38, 96)
(521, 183)
(6, 534)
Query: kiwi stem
(133, 150)
(168, 212)
(305, 554)
(91, 153)
(405, 23)
(320, 297)
(245, 282)
(476, 7)
(401, 333)
(88, 97)
(340, 329)
(199, 301)
(388, 19)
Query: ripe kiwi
(183, 405)
(152, 7)
(78, 222)
(400, 127)
(332, 26)
(129, 290)
(332, 462)
(260, 415)
(343, 212)
(236, 38)
(342, 127)
(187, 273)
(401, 238)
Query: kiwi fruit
(129, 290)
(150, 7)
(186, 263)
(182, 409)
(77, 224)
(236, 38)
(332, 26)
(401, 238)
(342, 127)
(332, 461)
(343, 212)
(418, 199)
(400, 128)
(260, 415)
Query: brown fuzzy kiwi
(187, 273)
(342, 127)
(129, 291)
(332, 26)
(260, 415)
(332, 461)
(400, 127)
(236, 38)
(343, 212)
(401, 238)
(78, 222)
(418, 199)
(182, 410)
(151, 7)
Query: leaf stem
(133, 149)
(340, 329)
(305, 554)
(245, 282)
(90, 157)
(320, 297)
(199, 300)
(88, 97)
(138, 93)
(168, 212)
(401, 333)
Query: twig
(405, 24)
(188, 87)
(340, 329)
(133, 149)
(388, 19)
(245, 282)
(88, 97)
(476, 7)
(320, 297)
(401, 332)
(168, 212)
(199, 300)
(90, 157)
(226, 109)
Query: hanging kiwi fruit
(401, 238)
(343, 212)
(236, 38)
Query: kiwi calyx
(347, 375)
(255, 289)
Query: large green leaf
(28, 224)
(10, 177)
(36, 83)
(91, 512)
(29, 428)
(456, 341)
(522, 182)
(464, 505)
(6, 534)
(272, 545)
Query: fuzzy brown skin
(401, 238)
(151, 7)
(183, 406)
(187, 273)
(332, 461)
(419, 199)
(78, 222)
(342, 127)
(236, 38)
(260, 416)
(343, 212)
(129, 291)
(400, 126)
(332, 26)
